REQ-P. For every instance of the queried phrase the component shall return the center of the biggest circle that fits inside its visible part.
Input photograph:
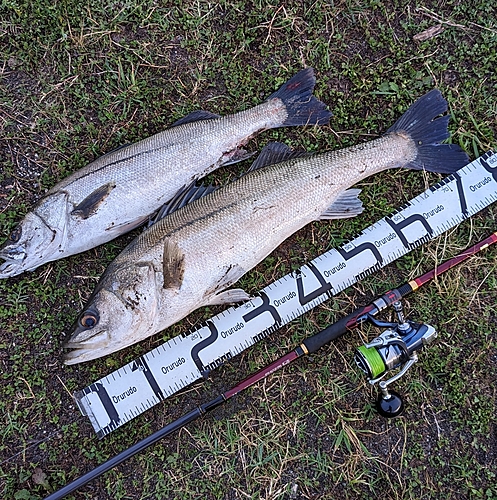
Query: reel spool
(394, 349)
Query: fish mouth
(80, 355)
(87, 348)
(9, 269)
(13, 264)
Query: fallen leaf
(429, 33)
(39, 477)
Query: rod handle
(335, 330)
(332, 332)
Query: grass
(79, 79)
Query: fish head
(39, 238)
(121, 311)
(28, 246)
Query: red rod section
(263, 373)
(454, 261)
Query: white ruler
(126, 393)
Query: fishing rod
(395, 348)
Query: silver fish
(189, 258)
(120, 190)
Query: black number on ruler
(407, 222)
(98, 389)
(142, 365)
(460, 191)
(325, 286)
(264, 307)
(202, 345)
(462, 197)
(363, 247)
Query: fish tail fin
(427, 128)
(302, 107)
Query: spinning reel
(394, 349)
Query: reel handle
(389, 404)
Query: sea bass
(189, 258)
(120, 190)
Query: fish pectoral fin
(196, 116)
(91, 203)
(276, 152)
(173, 262)
(229, 297)
(346, 205)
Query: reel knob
(389, 405)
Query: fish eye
(15, 236)
(88, 320)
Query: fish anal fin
(195, 116)
(346, 205)
(272, 153)
(229, 297)
(90, 204)
(173, 262)
(276, 152)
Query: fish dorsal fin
(276, 152)
(272, 153)
(91, 203)
(173, 262)
(195, 116)
(186, 195)
(346, 205)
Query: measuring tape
(126, 393)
